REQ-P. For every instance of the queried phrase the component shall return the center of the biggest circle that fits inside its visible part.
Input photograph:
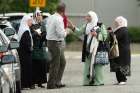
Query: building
(106, 9)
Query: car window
(2, 26)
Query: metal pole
(3, 11)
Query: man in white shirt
(55, 39)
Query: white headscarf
(93, 23)
(94, 42)
(122, 22)
(37, 12)
(24, 27)
(35, 15)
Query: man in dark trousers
(55, 40)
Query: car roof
(44, 14)
(3, 17)
(12, 14)
(20, 14)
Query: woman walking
(121, 65)
(25, 52)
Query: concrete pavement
(73, 78)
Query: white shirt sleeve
(60, 30)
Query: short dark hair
(61, 7)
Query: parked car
(15, 18)
(9, 63)
(5, 25)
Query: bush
(134, 33)
(70, 38)
(23, 6)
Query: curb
(77, 55)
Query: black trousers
(120, 77)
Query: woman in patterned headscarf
(38, 56)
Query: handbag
(102, 58)
(114, 50)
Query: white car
(9, 60)
(15, 18)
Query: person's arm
(60, 30)
(76, 29)
(104, 32)
(79, 30)
(34, 29)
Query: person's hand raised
(70, 25)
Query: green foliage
(134, 33)
(51, 5)
(70, 38)
(4, 5)
(23, 6)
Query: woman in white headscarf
(92, 72)
(25, 51)
(121, 64)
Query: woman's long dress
(25, 55)
(39, 62)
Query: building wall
(112, 8)
(106, 9)
(76, 9)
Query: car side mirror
(14, 45)
(7, 59)
(9, 31)
(3, 48)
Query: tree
(23, 6)
(4, 5)
(50, 6)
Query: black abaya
(123, 62)
(25, 55)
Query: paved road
(73, 79)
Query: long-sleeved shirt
(55, 28)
